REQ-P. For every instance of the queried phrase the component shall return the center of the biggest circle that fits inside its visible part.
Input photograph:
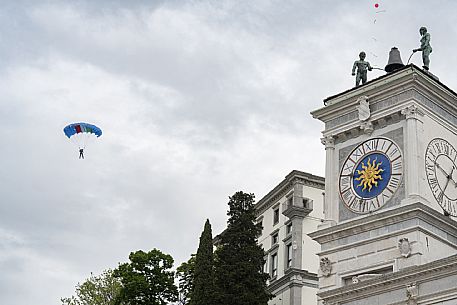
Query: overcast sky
(196, 100)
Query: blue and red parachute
(76, 128)
(81, 133)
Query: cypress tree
(239, 260)
(203, 282)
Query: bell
(394, 62)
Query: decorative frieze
(411, 94)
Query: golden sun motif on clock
(369, 175)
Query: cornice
(385, 95)
(392, 281)
(285, 186)
(417, 73)
(308, 279)
(382, 219)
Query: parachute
(81, 133)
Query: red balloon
(376, 5)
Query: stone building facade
(390, 193)
(288, 213)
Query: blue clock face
(370, 175)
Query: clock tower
(389, 233)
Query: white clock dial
(371, 175)
(441, 170)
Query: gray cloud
(197, 99)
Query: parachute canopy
(76, 128)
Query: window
(289, 255)
(275, 215)
(274, 265)
(289, 228)
(274, 239)
(260, 224)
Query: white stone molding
(367, 276)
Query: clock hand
(445, 186)
(450, 176)
(442, 169)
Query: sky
(196, 100)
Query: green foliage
(147, 279)
(203, 284)
(185, 273)
(96, 290)
(239, 260)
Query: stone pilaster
(413, 169)
(331, 200)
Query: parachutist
(79, 133)
(362, 67)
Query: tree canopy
(96, 290)
(185, 274)
(147, 279)
(239, 260)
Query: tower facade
(390, 192)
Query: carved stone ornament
(363, 108)
(405, 247)
(411, 293)
(328, 141)
(412, 112)
(326, 266)
(367, 127)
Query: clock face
(370, 175)
(441, 170)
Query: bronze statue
(362, 67)
(426, 48)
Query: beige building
(288, 213)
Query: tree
(203, 284)
(147, 279)
(239, 260)
(96, 290)
(185, 273)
